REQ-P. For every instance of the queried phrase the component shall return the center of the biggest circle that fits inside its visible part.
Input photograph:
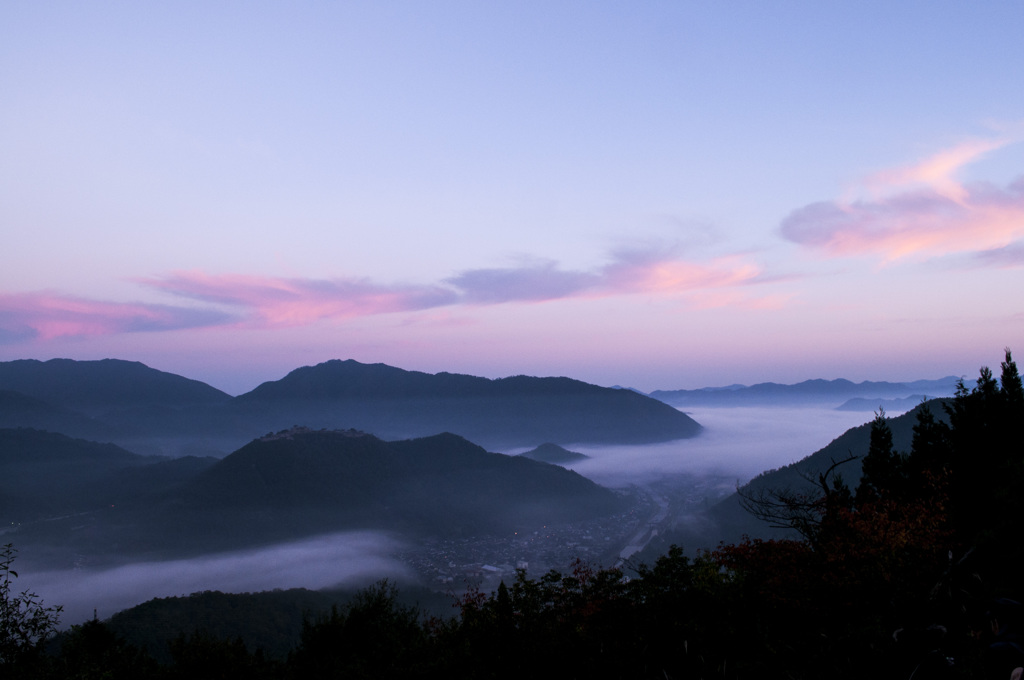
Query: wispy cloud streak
(917, 212)
(937, 173)
(275, 302)
(45, 316)
(270, 301)
(535, 283)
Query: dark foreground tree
(908, 572)
(25, 623)
(375, 636)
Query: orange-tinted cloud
(930, 214)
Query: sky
(663, 195)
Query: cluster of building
(484, 561)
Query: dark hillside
(310, 481)
(554, 454)
(43, 473)
(301, 482)
(397, 404)
(97, 386)
(27, 446)
(271, 621)
(21, 410)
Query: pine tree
(883, 469)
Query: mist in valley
(349, 559)
(735, 444)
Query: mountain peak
(504, 412)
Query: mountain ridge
(97, 385)
(289, 484)
(832, 393)
(154, 412)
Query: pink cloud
(271, 301)
(942, 218)
(644, 273)
(45, 316)
(936, 172)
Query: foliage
(93, 651)
(375, 636)
(24, 622)
(926, 543)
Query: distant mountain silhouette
(155, 413)
(826, 393)
(95, 387)
(394, 403)
(554, 454)
(889, 405)
(43, 474)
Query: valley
(454, 515)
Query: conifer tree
(1010, 382)
(883, 470)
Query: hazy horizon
(244, 385)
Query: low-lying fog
(737, 443)
(354, 558)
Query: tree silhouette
(24, 622)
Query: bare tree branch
(800, 510)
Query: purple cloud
(1005, 257)
(525, 284)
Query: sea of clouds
(737, 443)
